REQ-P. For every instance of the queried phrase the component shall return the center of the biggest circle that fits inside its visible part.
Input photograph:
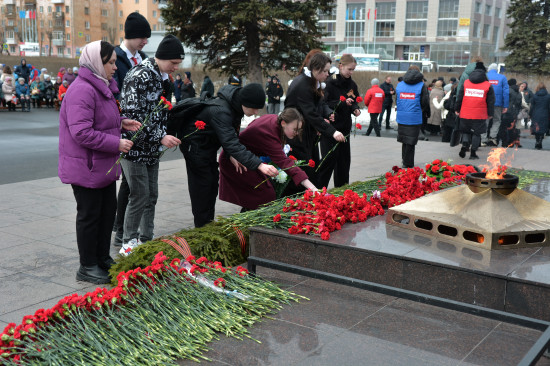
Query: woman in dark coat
(339, 160)
(306, 94)
(539, 113)
(188, 87)
(178, 83)
(265, 136)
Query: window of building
(88, 38)
(58, 35)
(416, 19)
(498, 13)
(41, 9)
(58, 8)
(104, 12)
(154, 13)
(87, 25)
(10, 23)
(68, 53)
(477, 8)
(104, 39)
(121, 27)
(60, 51)
(154, 27)
(120, 1)
(10, 34)
(488, 9)
(49, 9)
(66, 9)
(355, 20)
(486, 31)
(448, 18)
(68, 23)
(41, 23)
(103, 26)
(450, 54)
(327, 22)
(495, 33)
(137, 1)
(12, 49)
(385, 19)
(68, 36)
(50, 23)
(475, 33)
(120, 13)
(86, 11)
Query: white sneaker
(129, 246)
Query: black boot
(462, 152)
(538, 144)
(92, 274)
(106, 263)
(473, 155)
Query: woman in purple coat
(89, 144)
(265, 136)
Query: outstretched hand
(268, 170)
(130, 124)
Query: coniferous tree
(528, 41)
(248, 37)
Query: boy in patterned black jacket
(141, 93)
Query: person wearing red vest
(374, 98)
(475, 104)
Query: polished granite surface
(341, 325)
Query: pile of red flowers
(321, 213)
(102, 298)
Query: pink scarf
(90, 58)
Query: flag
(347, 14)
(33, 14)
(27, 14)
(374, 14)
(353, 16)
(368, 15)
(22, 14)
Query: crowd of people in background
(25, 84)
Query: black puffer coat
(337, 86)
(539, 112)
(222, 116)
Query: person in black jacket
(222, 117)
(188, 87)
(509, 131)
(23, 70)
(539, 113)
(306, 94)
(389, 92)
(136, 33)
(339, 160)
(207, 86)
(274, 92)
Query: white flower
(376, 195)
(323, 85)
(281, 177)
(286, 149)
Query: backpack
(184, 113)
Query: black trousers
(94, 222)
(408, 136)
(338, 161)
(373, 124)
(203, 180)
(122, 202)
(386, 107)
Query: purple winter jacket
(89, 132)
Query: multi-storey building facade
(448, 32)
(62, 27)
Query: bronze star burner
(485, 213)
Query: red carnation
(435, 169)
(342, 98)
(200, 125)
(311, 163)
(446, 174)
(359, 99)
(291, 157)
(358, 125)
(325, 235)
(277, 218)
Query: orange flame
(496, 170)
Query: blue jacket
(500, 86)
(22, 89)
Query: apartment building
(448, 32)
(62, 27)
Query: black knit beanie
(136, 26)
(170, 48)
(512, 82)
(252, 96)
